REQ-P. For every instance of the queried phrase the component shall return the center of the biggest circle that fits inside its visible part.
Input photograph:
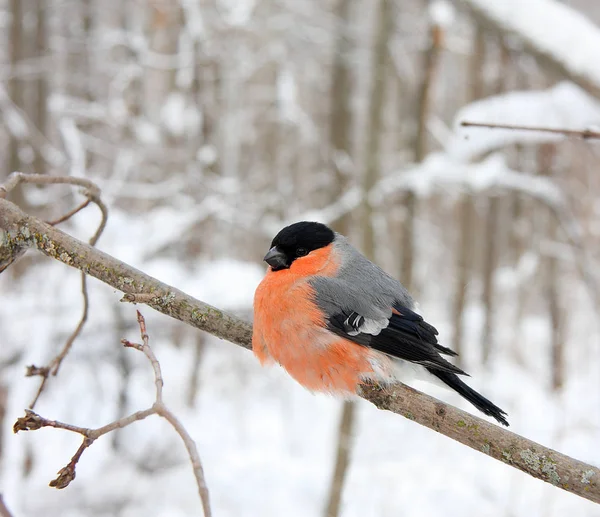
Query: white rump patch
(372, 327)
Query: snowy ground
(267, 444)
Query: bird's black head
(297, 240)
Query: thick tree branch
(22, 230)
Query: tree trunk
(491, 237)
(546, 158)
(372, 169)
(466, 214)
(15, 86)
(430, 65)
(41, 112)
(340, 126)
(163, 38)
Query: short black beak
(276, 259)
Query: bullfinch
(334, 320)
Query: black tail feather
(479, 401)
(443, 350)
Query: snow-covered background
(209, 125)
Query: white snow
(147, 132)
(267, 444)
(442, 13)
(441, 172)
(73, 145)
(173, 113)
(553, 27)
(11, 117)
(207, 155)
(237, 12)
(287, 94)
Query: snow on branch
(440, 171)
(20, 230)
(570, 49)
(444, 171)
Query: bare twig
(583, 133)
(41, 371)
(532, 458)
(32, 421)
(70, 214)
(535, 187)
(92, 193)
(54, 365)
(29, 232)
(512, 28)
(190, 445)
(67, 474)
(16, 178)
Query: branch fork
(32, 421)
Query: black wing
(407, 337)
(410, 338)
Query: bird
(334, 320)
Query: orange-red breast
(334, 320)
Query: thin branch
(92, 193)
(147, 351)
(586, 134)
(32, 421)
(539, 188)
(190, 445)
(532, 458)
(44, 373)
(70, 214)
(54, 365)
(16, 178)
(67, 474)
(57, 361)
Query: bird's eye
(300, 252)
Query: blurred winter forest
(209, 125)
